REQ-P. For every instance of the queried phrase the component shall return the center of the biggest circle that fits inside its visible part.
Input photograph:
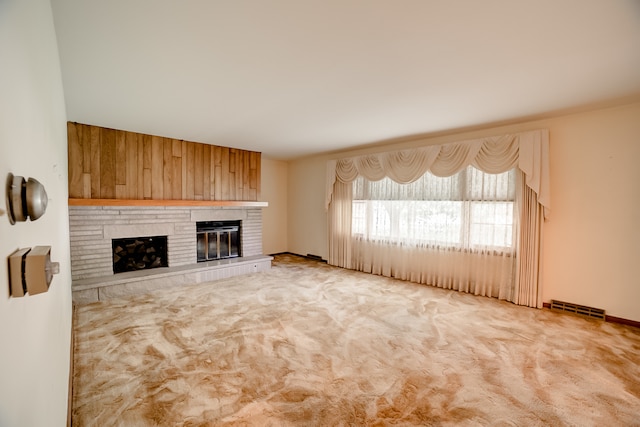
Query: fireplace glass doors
(218, 240)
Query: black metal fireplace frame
(218, 240)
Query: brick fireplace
(126, 185)
(93, 229)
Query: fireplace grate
(139, 253)
(595, 313)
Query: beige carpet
(307, 344)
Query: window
(471, 209)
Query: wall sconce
(25, 199)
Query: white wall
(274, 218)
(307, 217)
(592, 240)
(35, 331)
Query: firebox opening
(218, 240)
(140, 253)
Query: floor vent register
(568, 307)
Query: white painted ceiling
(296, 77)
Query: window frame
(363, 227)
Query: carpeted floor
(306, 344)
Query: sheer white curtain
(434, 229)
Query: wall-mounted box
(16, 272)
(31, 271)
(37, 272)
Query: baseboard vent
(315, 257)
(595, 313)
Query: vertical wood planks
(176, 169)
(198, 171)
(167, 168)
(107, 164)
(140, 167)
(76, 164)
(254, 175)
(225, 176)
(86, 162)
(206, 172)
(121, 167)
(217, 174)
(183, 170)
(191, 165)
(232, 173)
(95, 161)
(121, 153)
(157, 167)
(146, 165)
(131, 147)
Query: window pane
(358, 217)
(380, 225)
(471, 209)
(485, 186)
(419, 222)
(437, 222)
(491, 224)
(427, 187)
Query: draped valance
(529, 151)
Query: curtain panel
(528, 152)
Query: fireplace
(94, 228)
(140, 253)
(218, 240)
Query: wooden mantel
(149, 202)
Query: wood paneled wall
(113, 164)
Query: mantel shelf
(147, 202)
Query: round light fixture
(26, 199)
